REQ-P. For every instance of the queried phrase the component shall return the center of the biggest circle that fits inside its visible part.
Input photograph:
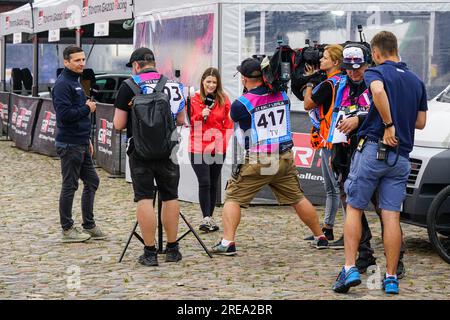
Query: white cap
(353, 58)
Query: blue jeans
(331, 188)
(76, 163)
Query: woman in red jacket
(211, 128)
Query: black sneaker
(327, 233)
(400, 270)
(338, 244)
(149, 258)
(363, 263)
(321, 243)
(173, 254)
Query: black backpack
(153, 125)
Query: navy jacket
(72, 114)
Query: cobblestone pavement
(272, 262)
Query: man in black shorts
(144, 172)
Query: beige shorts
(278, 171)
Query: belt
(369, 139)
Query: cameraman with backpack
(147, 105)
(264, 117)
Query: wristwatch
(310, 85)
(388, 125)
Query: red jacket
(211, 136)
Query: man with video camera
(264, 118)
(398, 106)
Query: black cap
(250, 66)
(141, 54)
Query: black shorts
(145, 172)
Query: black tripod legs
(191, 229)
(133, 233)
(160, 237)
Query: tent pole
(78, 37)
(35, 87)
(3, 63)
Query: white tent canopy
(17, 20)
(145, 7)
(59, 14)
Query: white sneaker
(74, 235)
(208, 225)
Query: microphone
(94, 91)
(209, 102)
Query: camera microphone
(209, 103)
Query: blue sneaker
(346, 280)
(229, 250)
(390, 285)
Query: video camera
(287, 64)
(309, 55)
(277, 69)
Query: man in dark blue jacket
(74, 147)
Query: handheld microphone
(209, 102)
(94, 91)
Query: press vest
(270, 120)
(345, 105)
(321, 121)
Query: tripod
(160, 233)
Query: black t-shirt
(123, 102)
(323, 96)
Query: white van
(430, 174)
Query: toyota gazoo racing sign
(48, 123)
(91, 7)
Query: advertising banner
(64, 14)
(45, 132)
(94, 11)
(23, 120)
(109, 143)
(183, 43)
(4, 102)
(16, 21)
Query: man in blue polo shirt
(398, 106)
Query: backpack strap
(137, 89)
(133, 86)
(161, 83)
